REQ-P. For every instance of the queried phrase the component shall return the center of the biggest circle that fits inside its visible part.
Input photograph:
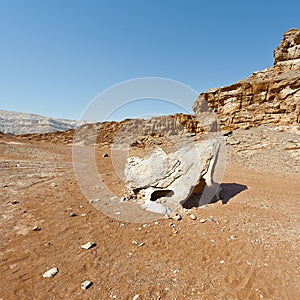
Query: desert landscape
(244, 244)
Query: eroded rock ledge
(267, 97)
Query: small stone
(202, 220)
(210, 219)
(193, 217)
(86, 284)
(50, 273)
(53, 184)
(134, 242)
(222, 261)
(227, 133)
(156, 223)
(233, 237)
(83, 215)
(175, 231)
(105, 155)
(135, 297)
(141, 244)
(92, 201)
(36, 228)
(80, 206)
(88, 245)
(73, 214)
(48, 244)
(176, 217)
(14, 202)
(123, 199)
(117, 213)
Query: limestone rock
(164, 181)
(289, 49)
(88, 245)
(271, 96)
(86, 284)
(50, 273)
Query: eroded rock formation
(164, 181)
(268, 96)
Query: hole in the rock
(161, 193)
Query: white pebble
(88, 245)
(86, 284)
(193, 217)
(50, 273)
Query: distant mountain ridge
(22, 123)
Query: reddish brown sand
(251, 249)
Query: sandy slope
(251, 249)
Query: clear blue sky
(56, 56)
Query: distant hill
(22, 123)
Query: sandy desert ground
(247, 248)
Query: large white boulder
(164, 181)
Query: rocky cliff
(268, 96)
(133, 131)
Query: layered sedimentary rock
(164, 181)
(127, 131)
(268, 96)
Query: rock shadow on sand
(227, 192)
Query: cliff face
(268, 96)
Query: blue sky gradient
(56, 56)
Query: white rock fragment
(92, 201)
(86, 284)
(193, 217)
(122, 199)
(36, 228)
(202, 220)
(135, 297)
(176, 217)
(88, 245)
(50, 273)
(53, 184)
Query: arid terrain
(245, 244)
(248, 247)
